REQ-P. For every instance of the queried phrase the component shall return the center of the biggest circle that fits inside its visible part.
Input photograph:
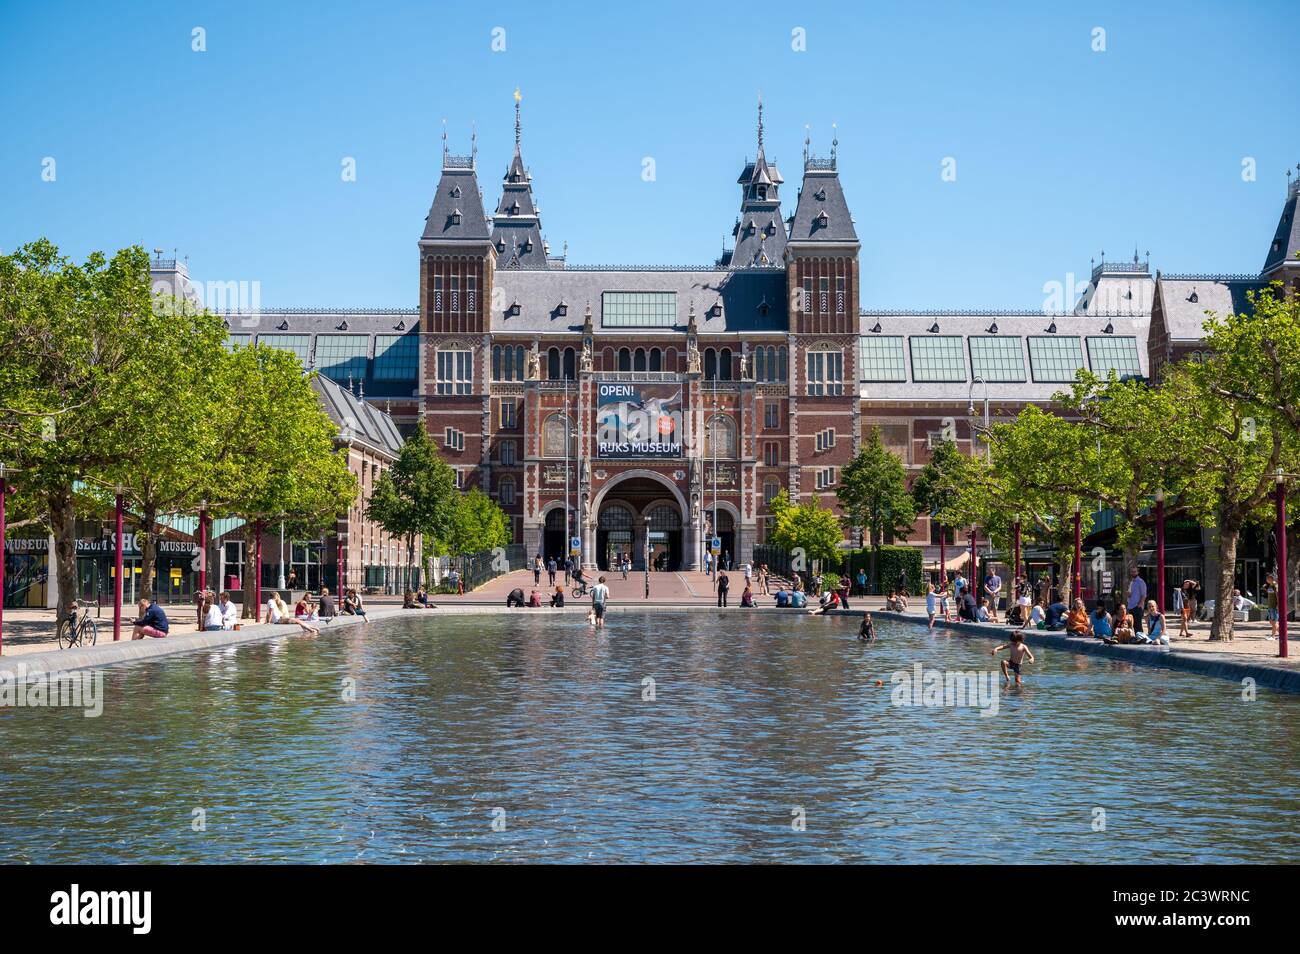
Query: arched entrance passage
(555, 538)
(639, 494)
(725, 531)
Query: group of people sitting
(306, 612)
(417, 599)
(517, 598)
(1118, 628)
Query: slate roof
(1286, 240)
(1184, 300)
(741, 293)
(822, 214)
(759, 233)
(356, 418)
(457, 196)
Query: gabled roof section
(456, 214)
(516, 226)
(1185, 299)
(357, 420)
(1286, 240)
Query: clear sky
(233, 156)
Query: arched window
(624, 359)
(553, 364)
(570, 365)
(720, 437)
(553, 437)
(710, 364)
(664, 518)
(724, 364)
(760, 363)
(656, 360)
(782, 364)
(638, 360)
(615, 517)
(496, 363)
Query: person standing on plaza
(747, 568)
(762, 579)
(931, 603)
(708, 562)
(723, 584)
(993, 590)
(600, 601)
(1137, 597)
(625, 564)
(1271, 606)
(844, 592)
(1191, 593)
(862, 581)
(551, 567)
(568, 570)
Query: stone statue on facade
(692, 358)
(534, 365)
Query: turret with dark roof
(456, 214)
(759, 232)
(1286, 241)
(516, 226)
(822, 214)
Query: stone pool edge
(1269, 676)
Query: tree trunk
(250, 572)
(148, 551)
(1221, 628)
(63, 518)
(1065, 574)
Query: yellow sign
(176, 575)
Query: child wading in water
(867, 631)
(1019, 652)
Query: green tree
(477, 524)
(280, 460)
(417, 496)
(809, 531)
(70, 343)
(873, 495)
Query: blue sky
(233, 155)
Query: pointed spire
(807, 142)
(760, 122)
(445, 150)
(473, 142)
(835, 142)
(518, 97)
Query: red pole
(974, 565)
(203, 550)
(1015, 546)
(117, 568)
(4, 490)
(1160, 552)
(1282, 606)
(1078, 553)
(943, 558)
(257, 572)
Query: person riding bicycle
(579, 580)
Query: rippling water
(757, 721)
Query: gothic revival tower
(1282, 264)
(517, 226)
(821, 260)
(759, 232)
(457, 261)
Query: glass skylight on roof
(1055, 358)
(1107, 352)
(298, 344)
(638, 309)
(938, 358)
(339, 357)
(397, 357)
(237, 341)
(880, 358)
(997, 358)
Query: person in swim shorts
(1019, 653)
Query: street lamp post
(1282, 597)
(203, 546)
(1078, 552)
(568, 529)
(974, 563)
(280, 580)
(943, 557)
(713, 451)
(257, 568)
(4, 490)
(1160, 550)
(1015, 548)
(970, 394)
(118, 507)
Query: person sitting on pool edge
(557, 598)
(152, 621)
(516, 598)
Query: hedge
(893, 560)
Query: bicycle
(78, 629)
(580, 590)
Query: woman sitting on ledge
(277, 613)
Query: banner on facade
(638, 421)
